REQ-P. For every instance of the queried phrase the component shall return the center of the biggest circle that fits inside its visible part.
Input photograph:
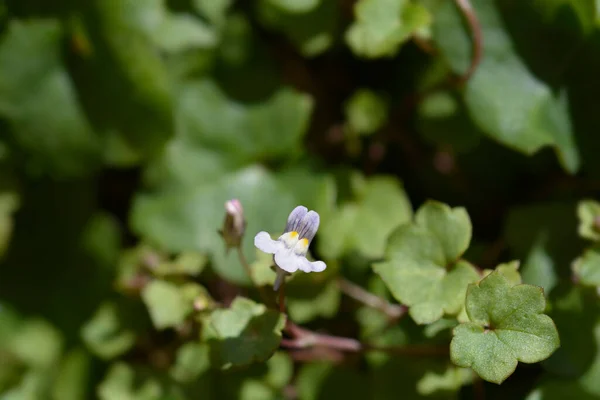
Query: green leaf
(167, 304)
(105, 335)
(588, 212)
(587, 268)
(506, 325)
(509, 270)
(215, 10)
(364, 225)
(535, 117)
(40, 103)
(422, 267)
(192, 360)
(245, 333)
(382, 26)
(187, 263)
(366, 112)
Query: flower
(289, 250)
(234, 224)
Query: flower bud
(234, 224)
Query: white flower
(290, 249)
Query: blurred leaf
(72, 381)
(119, 384)
(588, 212)
(381, 26)
(322, 380)
(245, 333)
(40, 103)
(423, 268)
(313, 32)
(507, 325)
(123, 80)
(102, 238)
(296, 6)
(187, 263)
(105, 335)
(214, 10)
(366, 112)
(364, 225)
(587, 268)
(37, 343)
(167, 305)
(535, 117)
(305, 305)
(273, 128)
(191, 362)
(9, 203)
(542, 235)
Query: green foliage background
(125, 125)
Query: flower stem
(244, 261)
(467, 10)
(393, 311)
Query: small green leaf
(506, 325)
(423, 269)
(247, 332)
(72, 380)
(304, 304)
(588, 212)
(192, 360)
(364, 225)
(187, 263)
(587, 268)
(167, 304)
(381, 26)
(366, 112)
(104, 334)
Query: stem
(282, 297)
(476, 32)
(393, 311)
(304, 338)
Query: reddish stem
(477, 37)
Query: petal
(263, 242)
(287, 260)
(307, 228)
(307, 266)
(294, 218)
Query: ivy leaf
(536, 117)
(587, 267)
(422, 267)
(588, 212)
(104, 334)
(509, 270)
(37, 344)
(381, 26)
(39, 101)
(506, 325)
(167, 304)
(366, 112)
(246, 332)
(381, 205)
